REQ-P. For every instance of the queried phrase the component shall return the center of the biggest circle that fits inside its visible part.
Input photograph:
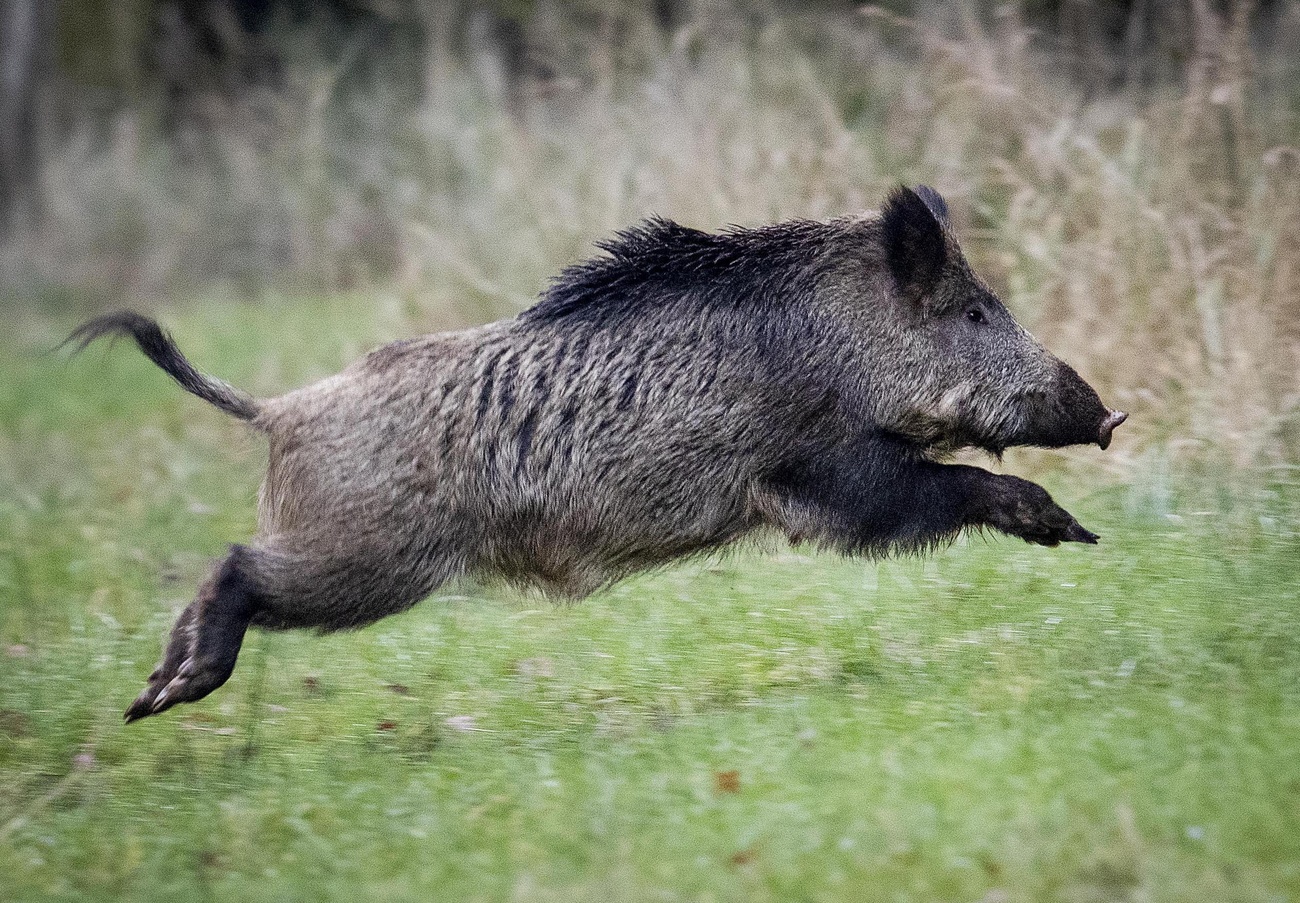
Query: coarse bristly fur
(667, 398)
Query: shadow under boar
(664, 399)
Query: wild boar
(663, 399)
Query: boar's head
(945, 362)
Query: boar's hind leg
(205, 641)
(344, 592)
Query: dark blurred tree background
(180, 72)
(26, 45)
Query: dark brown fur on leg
(205, 641)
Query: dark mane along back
(659, 259)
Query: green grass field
(995, 723)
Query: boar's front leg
(877, 494)
(1021, 508)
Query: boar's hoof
(193, 680)
(1053, 532)
(1024, 509)
(142, 706)
(1076, 532)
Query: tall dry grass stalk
(1150, 235)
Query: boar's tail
(159, 348)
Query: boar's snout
(1108, 424)
(1073, 414)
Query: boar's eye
(975, 315)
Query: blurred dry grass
(1147, 232)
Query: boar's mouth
(1070, 413)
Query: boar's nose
(1108, 424)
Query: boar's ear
(934, 201)
(914, 242)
